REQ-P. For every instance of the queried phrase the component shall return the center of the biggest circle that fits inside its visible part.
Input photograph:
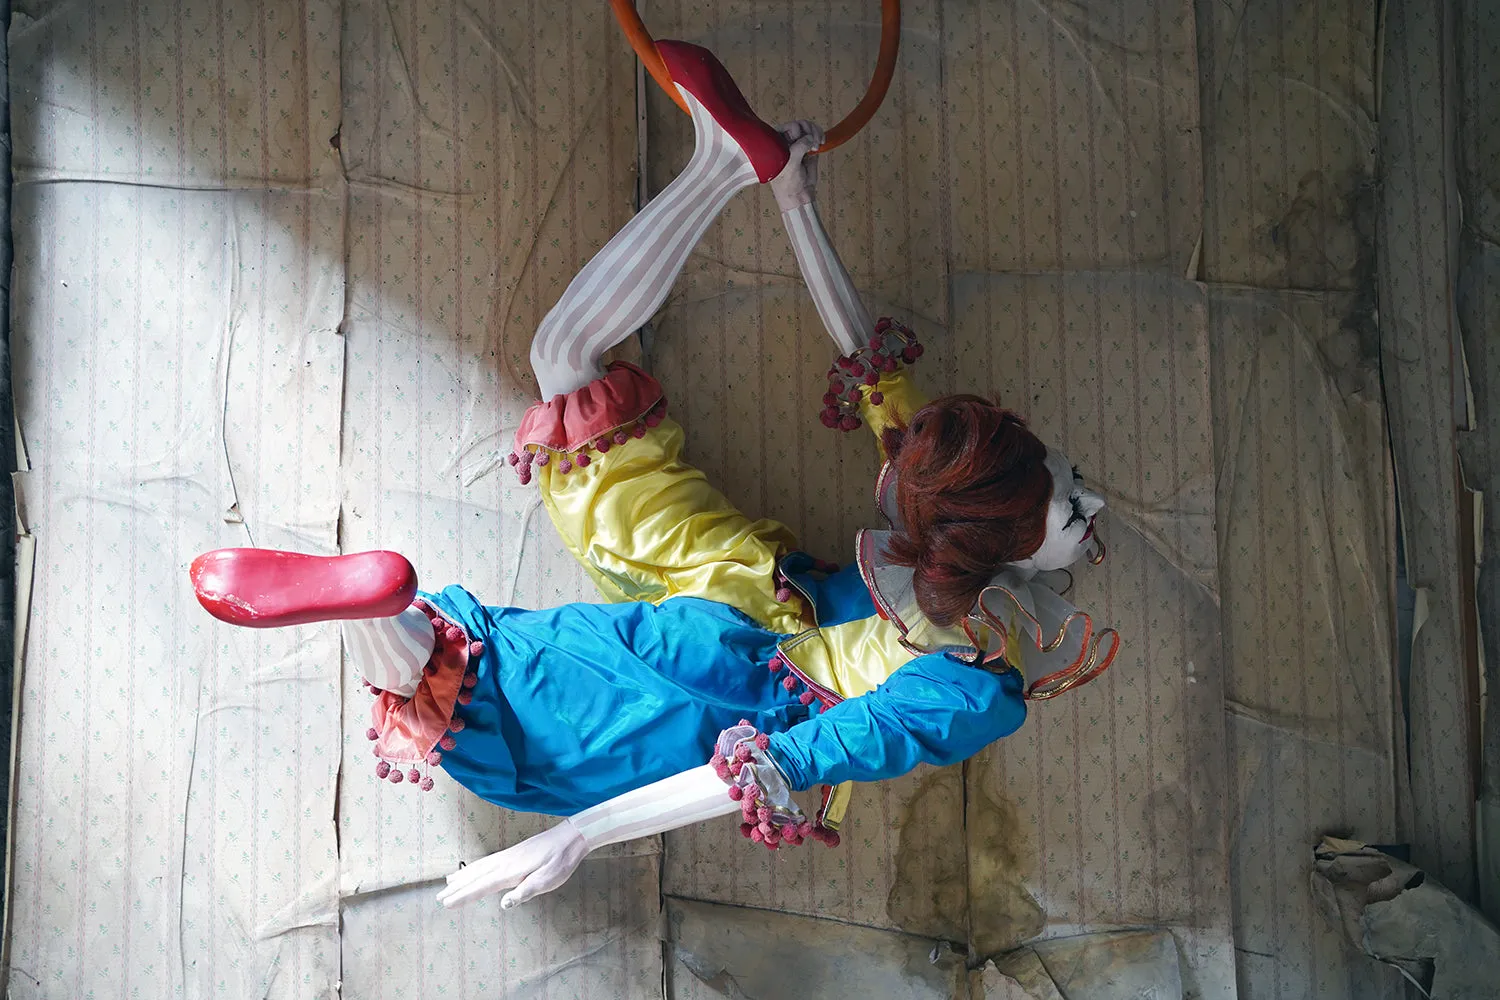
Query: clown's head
(977, 492)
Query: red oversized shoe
(264, 588)
(695, 70)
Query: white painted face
(1070, 519)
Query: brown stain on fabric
(928, 891)
(949, 873)
(1002, 912)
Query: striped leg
(390, 652)
(626, 282)
(829, 284)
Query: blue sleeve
(933, 710)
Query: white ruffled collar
(1021, 616)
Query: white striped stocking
(390, 652)
(626, 282)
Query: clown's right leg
(388, 638)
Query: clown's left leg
(645, 524)
(621, 288)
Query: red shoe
(264, 588)
(696, 71)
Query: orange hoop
(885, 66)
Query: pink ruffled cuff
(769, 814)
(407, 732)
(571, 427)
(854, 375)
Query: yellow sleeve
(900, 399)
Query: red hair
(972, 489)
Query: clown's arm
(869, 383)
(933, 710)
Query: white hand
(536, 865)
(795, 185)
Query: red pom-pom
(583, 460)
(621, 437)
(783, 594)
(832, 840)
(918, 350)
(603, 445)
(736, 793)
(565, 466)
(872, 378)
(806, 697)
(876, 398)
(456, 724)
(438, 625)
(542, 458)
(423, 607)
(830, 418)
(717, 760)
(464, 697)
(476, 649)
(382, 769)
(414, 776)
(745, 829)
(372, 733)
(653, 418)
(909, 354)
(763, 741)
(849, 423)
(426, 784)
(447, 743)
(434, 758)
(853, 394)
(830, 399)
(882, 325)
(639, 431)
(742, 754)
(735, 767)
(454, 635)
(744, 722)
(525, 477)
(771, 845)
(790, 683)
(470, 680)
(513, 458)
(757, 836)
(396, 777)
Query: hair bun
(972, 488)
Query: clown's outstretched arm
(832, 289)
(933, 710)
(867, 385)
(544, 862)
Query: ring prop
(885, 66)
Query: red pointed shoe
(264, 588)
(695, 70)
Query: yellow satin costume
(647, 526)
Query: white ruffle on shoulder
(1020, 617)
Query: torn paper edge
(25, 565)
